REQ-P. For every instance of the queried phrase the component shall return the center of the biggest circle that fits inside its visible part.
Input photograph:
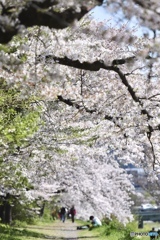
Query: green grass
(117, 232)
(42, 230)
(147, 227)
(9, 233)
(97, 234)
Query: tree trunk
(42, 210)
(7, 209)
(8, 213)
(2, 212)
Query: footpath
(67, 230)
(64, 231)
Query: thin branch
(71, 103)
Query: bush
(114, 226)
(18, 223)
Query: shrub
(113, 226)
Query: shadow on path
(70, 238)
(51, 228)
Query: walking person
(63, 214)
(72, 213)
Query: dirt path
(63, 231)
(67, 230)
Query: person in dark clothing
(153, 234)
(73, 213)
(158, 237)
(63, 214)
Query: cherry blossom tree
(92, 183)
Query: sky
(117, 19)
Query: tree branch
(93, 66)
(76, 105)
(96, 66)
(34, 15)
(6, 33)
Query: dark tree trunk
(42, 210)
(8, 213)
(6, 209)
(2, 212)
